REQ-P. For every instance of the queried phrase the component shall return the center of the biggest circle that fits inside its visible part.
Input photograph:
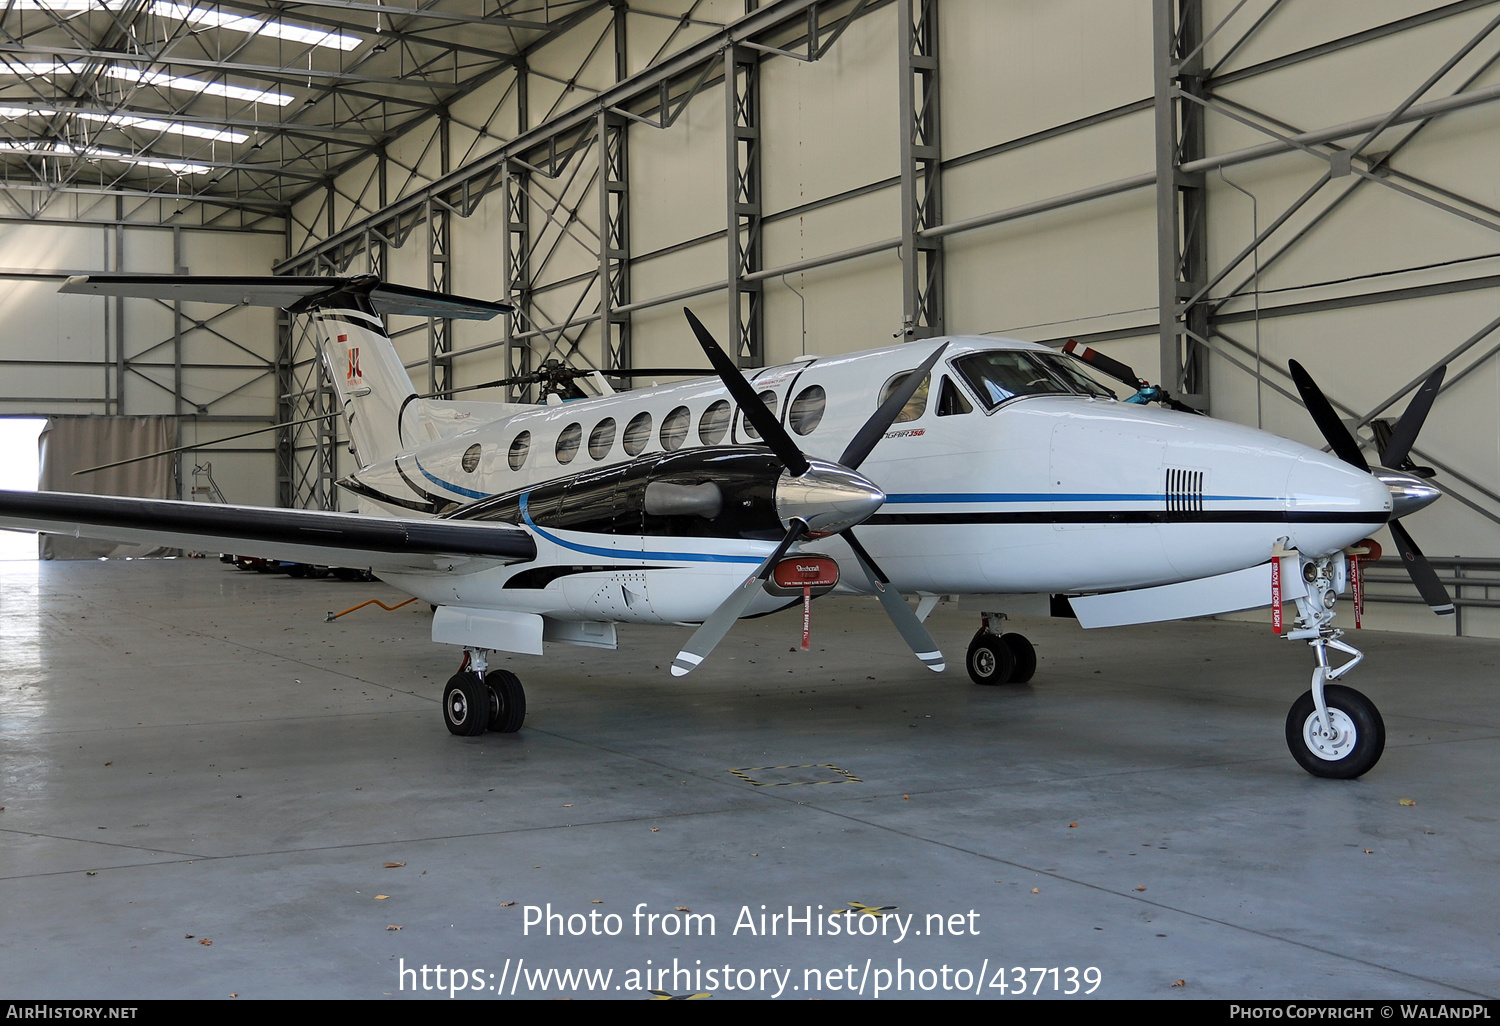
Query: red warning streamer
(1276, 595)
(1357, 586)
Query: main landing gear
(477, 698)
(999, 658)
(1332, 731)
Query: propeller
(1108, 365)
(816, 498)
(1409, 493)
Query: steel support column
(515, 258)
(439, 275)
(614, 239)
(743, 180)
(1181, 200)
(921, 172)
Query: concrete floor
(188, 753)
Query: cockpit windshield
(998, 375)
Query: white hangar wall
(1048, 133)
(213, 367)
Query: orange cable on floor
(373, 602)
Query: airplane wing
(306, 536)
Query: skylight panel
(204, 17)
(126, 73)
(209, 18)
(133, 121)
(51, 149)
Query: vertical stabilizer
(371, 383)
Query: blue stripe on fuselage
(444, 484)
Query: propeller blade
(1404, 434)
(878, 424)
(1422, 573)
(1105, 364)
(764, 421)
(712, 631)
(1321, 410)
(896, 608)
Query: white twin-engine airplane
(996, 470)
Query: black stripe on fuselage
(539, 577)
(1106, 517)
(439, 502)
(360, 488)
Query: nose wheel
(1342, 745)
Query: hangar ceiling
(242, 105)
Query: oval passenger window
(567, 443)
(714, 423)
(470, 462)
(637, 434)
(807, 409)
(602, 438)
(519, 450)
(674, 429)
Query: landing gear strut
(1332, 731)
(477, 698)
(1000, 658)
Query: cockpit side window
(1002, 374)
(951, 401)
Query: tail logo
(354, 372)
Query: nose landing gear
(1332, 731)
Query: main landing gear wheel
(507, 701)
(466, 704)
(991, 660)
(1346, 747)
(1025, 655)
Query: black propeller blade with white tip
(1395, 452)
(713, 630)
(896, 608)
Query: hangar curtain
(72, 443)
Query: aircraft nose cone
(828, 497)
(1409, 493)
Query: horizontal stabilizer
(282, 291)
(299, 535)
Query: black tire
(466, 705)
(1025, 655)
(990, 660)
(1353, 713)
(507, 701)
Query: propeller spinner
(1409, 492)
(813, 498)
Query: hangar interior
(1203, 189)
(1253, 182)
